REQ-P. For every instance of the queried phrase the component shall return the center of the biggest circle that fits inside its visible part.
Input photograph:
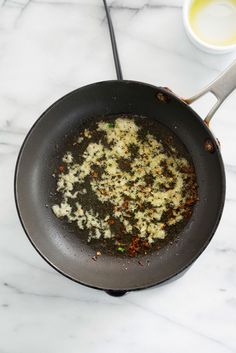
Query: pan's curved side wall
(34, 182)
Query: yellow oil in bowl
(214, 21)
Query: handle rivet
(209, 146)
(162, 97)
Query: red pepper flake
(137, 244)
(134, 246)
(189, 201)
(188, 169)
(61, 168)
(111, 221)
(187, 212)
(125, 204)
(103, 192)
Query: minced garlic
(152, 185)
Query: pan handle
(221, 87)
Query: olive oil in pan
(112, 206)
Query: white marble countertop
(48, 48)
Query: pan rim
(131, 288)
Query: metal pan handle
(221, 87)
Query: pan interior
(41, 153)
(122, 243)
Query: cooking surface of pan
(39, 157)
(121, 204)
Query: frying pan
(62, 248)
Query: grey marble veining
(48, 48)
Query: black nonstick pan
(63, 248)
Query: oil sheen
(214, 21)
